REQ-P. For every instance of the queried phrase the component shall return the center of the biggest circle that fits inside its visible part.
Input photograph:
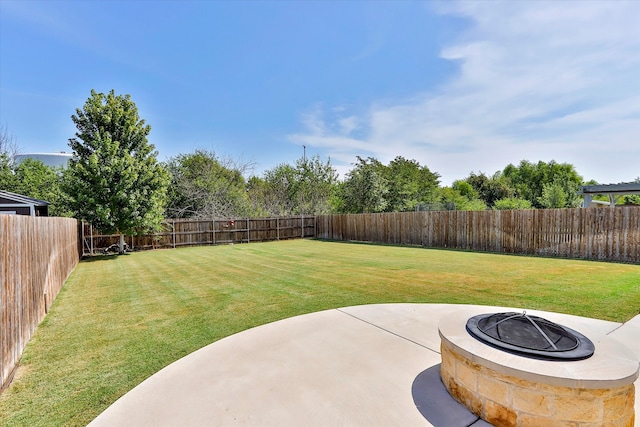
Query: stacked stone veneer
(506, 400)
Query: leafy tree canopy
(365, 189)
(114, 180)
(529, 179)
(315, 186)
(35, 179)
(553, 196)
(461, 196)
(491, 188)
(632, 199)
(32, 178)
(512, 203)
(409, 184)
(306, 188)
(277, 195)
(204, 186)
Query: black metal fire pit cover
(530, 336)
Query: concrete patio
(372, 365)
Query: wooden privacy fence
(196, 232)
(595, 233)
(37, 254)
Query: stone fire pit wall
(505, 400)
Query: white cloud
(348, 124)
(537, 81)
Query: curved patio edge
(347, 366)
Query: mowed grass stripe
(120, 319)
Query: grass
(120, 319)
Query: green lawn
(120, 319)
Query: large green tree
(365, 188)
(529, 180)
(306, 188)
(409, 184)
(114, 180)
(315, 186)
(460, 196)
(204, 186)
(553, 196)
(274, 193)
(490, 189)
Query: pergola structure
(613, 191)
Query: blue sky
(458, 86)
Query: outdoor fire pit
(515, 369)
(530, 336)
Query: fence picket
(195, 232)
(593, 233)
(37, 254)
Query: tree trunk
(121, 244)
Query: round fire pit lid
(530, 336)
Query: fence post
(173, 232)
(213, 231)
(277, 228)
(302, 226)
(82, 237)
(248, 231)
(91, 239)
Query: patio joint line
(616, 328)
(388, 331)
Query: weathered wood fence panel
(593, 233)
(197, 232)
(37, 254)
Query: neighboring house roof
(19, 198)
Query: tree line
(115, 181)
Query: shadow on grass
(472, 251)
(102, 257)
